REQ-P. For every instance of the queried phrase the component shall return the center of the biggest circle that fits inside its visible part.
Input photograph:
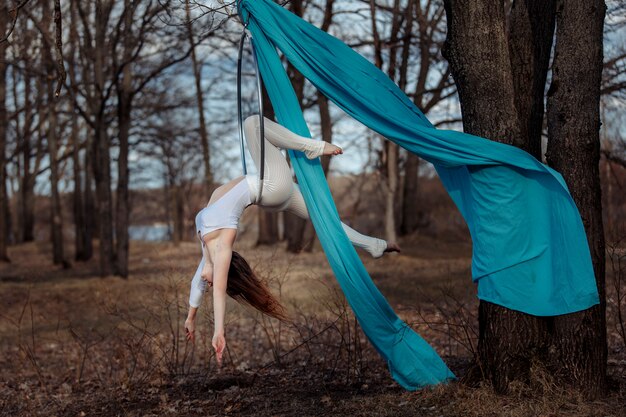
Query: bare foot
(330, 149)
(392, 247)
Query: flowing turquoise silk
(530, 251)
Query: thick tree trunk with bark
(3, 135)
(530, 42)
(476, 48)
(574, 151)
(501, 107)
(476, 45)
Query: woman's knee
(251, 122)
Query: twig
(304, 342)
(61, 74)
(15, 13)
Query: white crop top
(222, 214)
(226, 211)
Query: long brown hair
(246, 288)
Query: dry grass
(74, 344)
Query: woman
(216, 225)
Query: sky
(351, 24)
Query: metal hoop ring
(261, 112)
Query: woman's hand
(190, 329)
(219, 344)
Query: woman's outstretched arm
(198, 286)
(221, 265)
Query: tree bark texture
(477, 49)
(574, 151)
(531, 29)
(497, 103)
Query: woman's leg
(277, 181)
(376, 247)
(284, 138)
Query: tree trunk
(56, 216)
(82, 239)
(26, 206)
(92, 223)
(122, 209)
(391, 190)
(530, 43)
(410, 193)
(101, 153)
(3, 137)
(204, 136)
(124, 110)
(179, 213)
(476, 45)
(390, 149)
(574, 151)
(498, 107)
(27, 186)
(294, 226)
(410, 215)
(309, 236)
(80, 228)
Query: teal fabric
(530, 251)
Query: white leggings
(279, 191)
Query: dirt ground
(75, 344)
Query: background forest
(118, 118)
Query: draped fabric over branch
(530, 251)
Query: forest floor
(75, 344)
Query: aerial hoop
(240, 112)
